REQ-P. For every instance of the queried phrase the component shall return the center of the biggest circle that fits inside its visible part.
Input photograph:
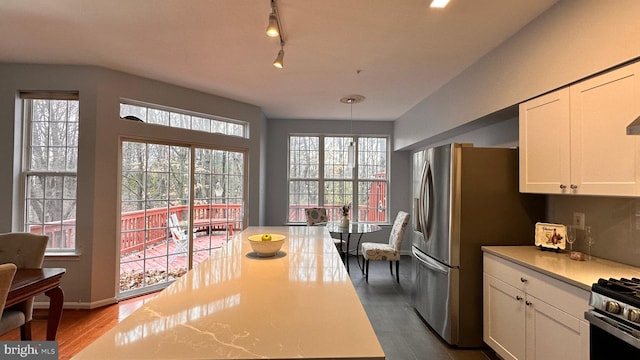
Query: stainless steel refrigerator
(466, 197)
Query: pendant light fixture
(351, 151)
(274, 29)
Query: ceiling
(395, 53)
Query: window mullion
(354, 181)
(321, 179)
(51, 173)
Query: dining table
(354, 228)
(28, 283)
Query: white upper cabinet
(573, 141)
(544, 144)
(604, 159)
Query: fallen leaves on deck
(136, 279)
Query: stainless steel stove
(615, 319)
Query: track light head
(273, 30)
(278, 62)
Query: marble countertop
(232, 306)
(558, 265)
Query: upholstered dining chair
(11, 318)
(387, 252)
(317, 216)
(26, 251)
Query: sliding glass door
(218, 198)
(166, 229)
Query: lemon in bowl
(265, 245)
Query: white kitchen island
(298, 305)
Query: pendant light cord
(351, 122)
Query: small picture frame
(551, 236)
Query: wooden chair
(179, 235)
(387, 252)
(26, 251)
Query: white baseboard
(78, 305)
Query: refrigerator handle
(426, 261)
(425, 210)
(417, 221)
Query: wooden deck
(159, 262)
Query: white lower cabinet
(504, 318)
(529, 315)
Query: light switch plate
(578, 220)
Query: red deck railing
(375, 211)
(133, 230)
(374, 214)
(146, 227)
(143, 228)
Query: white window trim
(25, 154)
(244, 124)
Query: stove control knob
(613, 307)
(634, 315)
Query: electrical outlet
(578, 220)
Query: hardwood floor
(403, 335)
(79, 328)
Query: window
(319, 175)
(153, 114)
(50, 159)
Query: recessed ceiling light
(439, 3)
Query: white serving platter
(551, 236)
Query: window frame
(181, 112)
(355, 180)
(25, 164)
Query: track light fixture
(278, 62)
(274, 29)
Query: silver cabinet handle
(519, 298)
(574, 186)
(523, 280)
(528, 303)
(563, 186)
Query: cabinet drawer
(566, 297)
(511, 273)
(563, 296)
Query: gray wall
(91, 274)
(277, 186)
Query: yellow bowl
(266, 248)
